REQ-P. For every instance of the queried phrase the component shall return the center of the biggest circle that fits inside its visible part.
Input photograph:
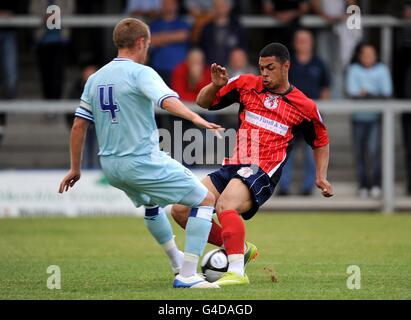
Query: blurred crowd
(332, 62)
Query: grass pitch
(116, 258)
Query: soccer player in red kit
(271, 112)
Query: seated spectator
(367, 78)
(169, 40)
(190, 76)
(222, 34)
(238, 63)
(202, 13)
(143, 8)
(309, 74)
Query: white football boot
(193, 282)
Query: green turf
(115, 258)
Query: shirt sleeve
(227, 95)
(314, 131)
(150, 84)
(85, 109)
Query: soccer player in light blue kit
(120, 98)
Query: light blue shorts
(154, 180)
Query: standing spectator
(238, 63)
(202, 13)
(169, 39)
(367, 78)
(8, 60)
(222, 34)
(309, 74)
(336, 42)
(190, 76)
(51, 47)
(145, 8)
(288, 12)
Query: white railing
(388, 108)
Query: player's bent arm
(219, 78)
(321, 158)
(206, 95)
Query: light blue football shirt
(120, 98)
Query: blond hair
(127, 31)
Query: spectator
(406, 131)
(143, 8)
(169, 39)
(238, 63)
(202, 13)
(288, 12)
(405, 65)
(8, 60)
(335, 42)
(367, 78)
(51, 47)
(222, 34)
(190, 76)
(90, 158)
(309, 74)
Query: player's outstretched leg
(180, 215)
(197, 231)
(159, 226)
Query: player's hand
(325, 187)
(202, 123)
(69, 180)
(219, 75)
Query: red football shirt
(269, 122)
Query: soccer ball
(214, 264)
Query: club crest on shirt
(271, 102)
(245, 172)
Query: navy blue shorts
(259, 183)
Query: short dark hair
(277, 50)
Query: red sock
(233, 231)
(215, 236)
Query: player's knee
(209, 200)
(222, 206)
(180, 214)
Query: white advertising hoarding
(35, 193)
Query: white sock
(175, 255)
(189, 267)
(236, 263)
